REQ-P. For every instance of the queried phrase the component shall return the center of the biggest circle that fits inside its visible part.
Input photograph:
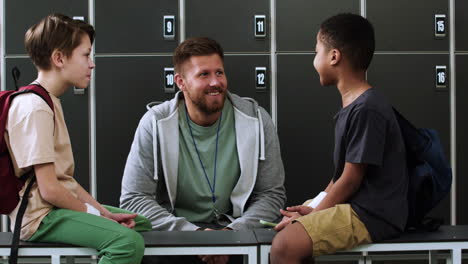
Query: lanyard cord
(212, 188)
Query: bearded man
(207, 159)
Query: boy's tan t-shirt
(33, 138)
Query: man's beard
(202, 105)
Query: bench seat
(255, 246)
(451, 238)
(156, 243)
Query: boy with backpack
(366, 200)
(59, 209)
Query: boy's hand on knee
(301, 209)
(123, 219)
(288, 217)
(129, 223)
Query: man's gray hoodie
(149, 184)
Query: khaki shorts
(333, 229)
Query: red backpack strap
(33, 88)
(38, 90)
(5, 98)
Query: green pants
(115, 243)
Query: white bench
(156, 243)
(451, 238)
(255, 246)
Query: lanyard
(212, 188)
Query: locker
(75, 110)
(242, 77)
(305, 127)
(298, 21)
(22, 14)
(120, 30)
(462, 138)
(409, 82)
(402, 25)
(124, 86)
(461, 25)
(231, 23)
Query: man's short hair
(55, 32)
(198, 46)
(353, 35)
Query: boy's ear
(179, 81)
(57, 58)
(335, 56)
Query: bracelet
(92, 210)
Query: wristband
(92, 210)
(316, 201)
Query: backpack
(430, 174)
(10, 185)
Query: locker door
(231, 23)
(249, 76)
(121, 30)
(402, 25)
(21, 14)
(124, 86)
(409, 82)
(75, 110)
(461, 25)
(298, 21)
(305, 127)
(462, 138)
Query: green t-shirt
(194, 197)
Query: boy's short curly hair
(353, 35)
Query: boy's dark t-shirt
(366, 131)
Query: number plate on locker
(260, 26)
(260, 78)
(440, 26)
(169, 86)
(82, 18)
(441, 77)
(169, 27)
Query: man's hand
(214, 259)
(123, 219)
(292, 214)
